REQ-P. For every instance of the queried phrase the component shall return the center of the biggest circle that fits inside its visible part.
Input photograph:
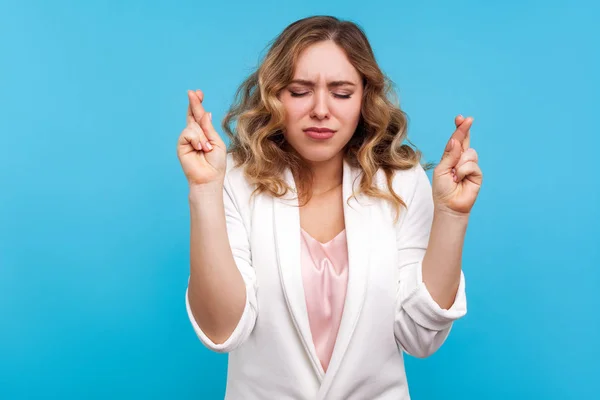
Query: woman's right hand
(201, 152)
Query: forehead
(325, 61)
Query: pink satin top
(325, 277)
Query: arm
(456, 183)
(431, 291)
(442, 261)
(221, 296)
(421, 324)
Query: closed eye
(300, 94)
(295, 94)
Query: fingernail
(209, 146)
(210, 116)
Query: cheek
(295, 109)
(349, 111)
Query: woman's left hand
(457, 178)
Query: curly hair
(257, 142)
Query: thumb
(451, 155)
(208, 128)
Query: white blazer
(387, 310)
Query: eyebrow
(330, 84)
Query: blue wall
(93, 204)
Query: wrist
(441, 211)
(205, 192)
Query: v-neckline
(326, 243)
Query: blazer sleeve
(421, 326)
(240, 247)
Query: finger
(200, 95)
(469, 169)
(204, 142)
(190, 138)
(196, 104)
(461, 134)
(194, 135)
(189, 116)
(469, 155)
(464, 131)
(208, 128)
(451, 156)
(467, 141)
(458, 120)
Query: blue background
(93, 204)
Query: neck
(327, 174)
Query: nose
(320, 109)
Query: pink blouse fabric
(325, 278)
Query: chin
(316, 154)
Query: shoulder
(236, 184)
(234, 174)
(407, 182)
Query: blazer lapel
(358, 234)
(288, 247)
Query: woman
(319, 250)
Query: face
(322, 103)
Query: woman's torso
(279, 359)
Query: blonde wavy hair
(257, 142)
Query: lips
(319, 133)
